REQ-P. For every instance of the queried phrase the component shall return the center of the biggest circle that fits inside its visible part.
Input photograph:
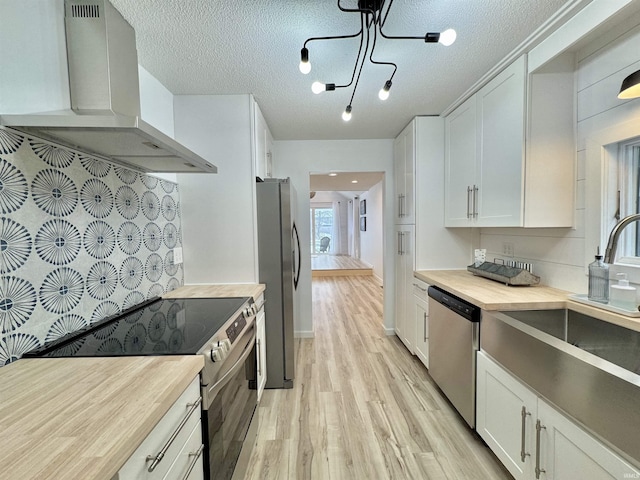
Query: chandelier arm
(381, 21)
(375, 62)
(338, 37)
(355, 67)
(361, 63)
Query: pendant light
(630, 86)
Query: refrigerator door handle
(296, 265)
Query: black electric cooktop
(159, 327)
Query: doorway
(346, 236)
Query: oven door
(227, 414)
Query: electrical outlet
(177, 256)
(507, 249)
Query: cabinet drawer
(190, 457)
(420, 290)
(137, 466)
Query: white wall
(560, 255)
(371, 241)
(297, 159)
(218, 217)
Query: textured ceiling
(253, 46)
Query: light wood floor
(362, 407)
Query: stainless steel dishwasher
(454, 339)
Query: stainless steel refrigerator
(279, 267)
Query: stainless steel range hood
(104, 115)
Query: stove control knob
(226, 344)
(217, 354)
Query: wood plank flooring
(362, 407)
(337, 262)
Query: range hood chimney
(104, 119)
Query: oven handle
(158, 458)
(233, 370)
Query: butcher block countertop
(491, 295)
(82, 418)
(210, 291)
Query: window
(321, 228)
(626, 171)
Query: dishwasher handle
(455, 304)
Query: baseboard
(389, 331)
(303, 334)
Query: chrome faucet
(612, 244)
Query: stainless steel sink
(613, 343)
(588, 368)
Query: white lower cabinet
(404, 266)
(178, 436)
(261, 353)
(421, 317)
(532, 439)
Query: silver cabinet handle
(468, 201)
(399, 205)
(524, 415)
(416, 285)
(399, 252)
(425, 326)
(475, 201)
(196, 455)
(404, 251)
(539, 427)
(156, 459)
(259, 358)
(402, 203)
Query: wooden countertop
(491, 295)
(210, 291)
(82, 418)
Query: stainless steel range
(222, 330)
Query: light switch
(177, 256)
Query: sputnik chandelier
(373, 15)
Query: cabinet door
(409, 213)
(460, 164)
(421, 321)
(261, 353)
(405, 327)
(567, 451)
(500, 401)
(404, 158)
(399, 148)
(500, 123)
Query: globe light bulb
(346, 115)
(318, 87)
(383, 94)
(305, 67)
(447, 37)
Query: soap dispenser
(623, 295)
(598, 280)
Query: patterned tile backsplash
(80, 239)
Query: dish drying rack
(515, 274)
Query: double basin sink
(587, 367)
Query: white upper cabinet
(505, 164)
(460, 167)
(404, 158)
(263, 144)
(500, 122)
